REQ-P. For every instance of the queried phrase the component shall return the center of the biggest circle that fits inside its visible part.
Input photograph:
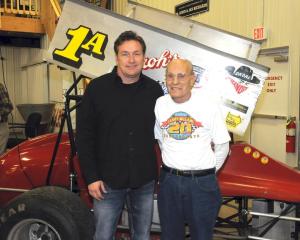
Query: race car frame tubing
(277, 216)
(242, 218)
(67, 117)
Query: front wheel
(47, 213)
(34, 228)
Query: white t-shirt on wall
(186, 130)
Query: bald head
(183, 63)
(180, 79)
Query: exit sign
(259, 33)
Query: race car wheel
(34, 229)
(47, 213)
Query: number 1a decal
(81, 41)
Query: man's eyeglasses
(179, 76)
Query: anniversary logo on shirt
(180, 126)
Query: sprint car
(43, 194)
(42, 206)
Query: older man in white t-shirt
(187, 124)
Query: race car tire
(50, 213)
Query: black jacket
(115, 135)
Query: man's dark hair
(127, 36)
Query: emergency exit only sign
(259, 33)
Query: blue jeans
(139, 202)
(188, 200)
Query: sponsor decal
(81, 40)
(199, 72)
(240, 78)
(180, 126)
(164, 87)
(239, 88)
(161, 62)
(21, 207)
(236, 106)
(232, 121)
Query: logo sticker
(161, 62)
(235, 105)
(82, 40)
(233, 120)
(240, 78)
(239, 88)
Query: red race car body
(246, 172)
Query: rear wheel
(47, 213)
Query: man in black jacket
(115, 141)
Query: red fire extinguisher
(291, 135)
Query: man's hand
(96, 190)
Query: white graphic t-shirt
(186, 130)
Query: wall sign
(259, 33)
(192, 7)
(274, 98)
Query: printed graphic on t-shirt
(180, 126)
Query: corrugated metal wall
(25, 75)
(238, 16)
(11, 73)
(118, 6)
(241, 16)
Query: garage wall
(240, 16)
(26, 80)
(28, 77)
(268, 126)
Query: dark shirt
(115, 136)
(5, 104)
